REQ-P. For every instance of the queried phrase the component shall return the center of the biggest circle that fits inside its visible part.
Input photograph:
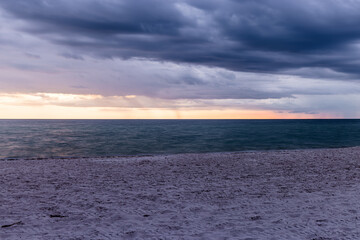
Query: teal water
(87, 138)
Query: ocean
(99, 138)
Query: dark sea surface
(87, 138)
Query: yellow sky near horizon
(72, 106)
(60, 112)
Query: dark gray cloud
(255, 36)
(71, 56)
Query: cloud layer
(280, 55)
(256, 36)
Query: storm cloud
(274, 55)
(254, 36)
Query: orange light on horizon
(63, 112)
(72, 106)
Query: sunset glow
(72, 106)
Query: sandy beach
(295, 194)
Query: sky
(179, 59)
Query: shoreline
(164, 154)
(280, 194)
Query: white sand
(305, 194)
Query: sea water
(91, 138)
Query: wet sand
(295, 194)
